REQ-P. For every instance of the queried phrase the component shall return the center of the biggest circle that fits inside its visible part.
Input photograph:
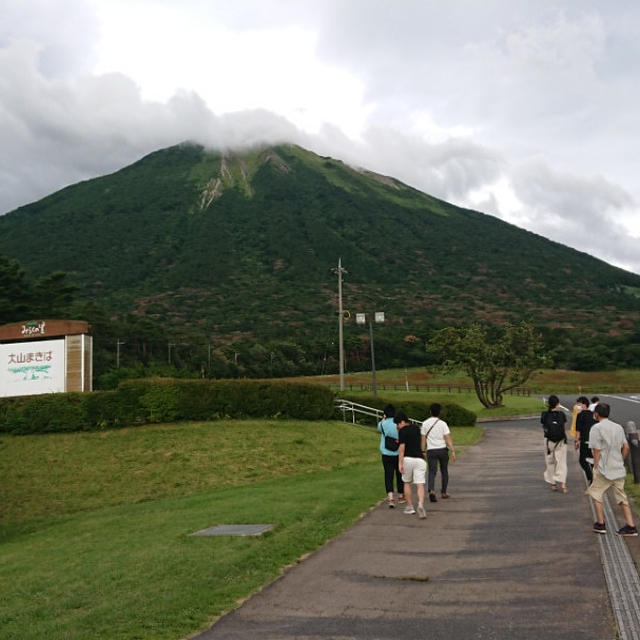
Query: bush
(44, 414)
(106, 409)
(454, 415)
(164, 400)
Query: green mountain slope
(244, 244)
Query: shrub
(454, 415)
(44, 413)
(164, 400)
(106, 410)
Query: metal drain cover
(234, 530)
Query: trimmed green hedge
(454, 415)
(164, 400)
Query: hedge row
(453, 414)
(164, 400)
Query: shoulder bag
(426, 435)
(390, 444)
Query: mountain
(238, 244)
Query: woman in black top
(584, 422)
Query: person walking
(610, 447)
(436, 440)
(555, 441)
(584, 422)
(389, 445)
(411, 462)
(574, 418)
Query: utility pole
(118, 343)
(339, 271)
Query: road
(504, 558)
(623, 407)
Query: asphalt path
(505, 557)
(624, 407)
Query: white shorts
(413, 470)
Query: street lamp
(378, 317)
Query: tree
(15, 291)
(53, 296)
(497, 365)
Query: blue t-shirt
(391, 430)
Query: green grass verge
(633, 491)
(95, 526)
(70, 472)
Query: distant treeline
(131, 346)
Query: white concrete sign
(29, 368)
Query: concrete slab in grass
(234, 530)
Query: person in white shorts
(411, 462)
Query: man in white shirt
(436, 439)
(610, 447)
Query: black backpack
(553, 425)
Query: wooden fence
(428, 388)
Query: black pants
(585, 453)
(390, 464)
(435, 456)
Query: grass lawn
(94, 527)
(542, 382)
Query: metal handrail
(362, 409)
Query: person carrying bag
(389, 450)
(436, 442)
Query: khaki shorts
(413, 470)
(600, 484)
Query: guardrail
(347, 406)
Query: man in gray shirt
(609, 445)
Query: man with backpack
(555, 439)
(610, 447)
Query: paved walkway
(503, 558)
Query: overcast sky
(524, 109)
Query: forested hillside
(234, 252)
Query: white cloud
(583, 212)
(524, 110)
(64, 30)
(273, 68)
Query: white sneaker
(409, 511)
(421, 512)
